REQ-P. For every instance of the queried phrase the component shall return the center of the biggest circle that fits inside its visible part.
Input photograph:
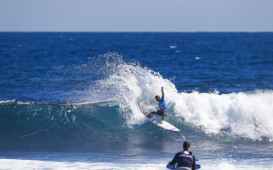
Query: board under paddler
(157, 121)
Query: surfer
(162, 106)
(184, 159)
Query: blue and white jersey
(162, 105)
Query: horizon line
(136, 31)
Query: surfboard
(165, 125)
(197, 166)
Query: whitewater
(83, 107)
(242, 114)
(115, 114)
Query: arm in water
(174, 161)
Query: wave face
(69, 97)
(245, 114)
(111, 113)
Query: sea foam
(133, 87)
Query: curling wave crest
(132, 87)
(113, 106)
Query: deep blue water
(229, 62)
(83, 92)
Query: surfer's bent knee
(164, 114)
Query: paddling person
(162, 106)
(184, 159)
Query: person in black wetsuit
(184, 159)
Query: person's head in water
(186, 146)
(157, 98)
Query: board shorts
(160, 113)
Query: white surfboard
(165, 125)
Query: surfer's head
(186, 145)
(157, 98)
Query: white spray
(247, 115)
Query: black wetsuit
(184, 159)
(160, 113)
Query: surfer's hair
(186, 145)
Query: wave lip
(243, 114)
(113, 107)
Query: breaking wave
(113, 106)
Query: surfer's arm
(162, 90)
(193, 165)
(174, 161)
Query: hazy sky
(136, 15)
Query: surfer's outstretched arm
(162, 90)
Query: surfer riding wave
(162, 106)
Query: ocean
(77, 100)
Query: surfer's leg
(154, 112)
(158, 112)
(163, 114)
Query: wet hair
(186, 145)
(156, 96)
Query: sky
(137, 15)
